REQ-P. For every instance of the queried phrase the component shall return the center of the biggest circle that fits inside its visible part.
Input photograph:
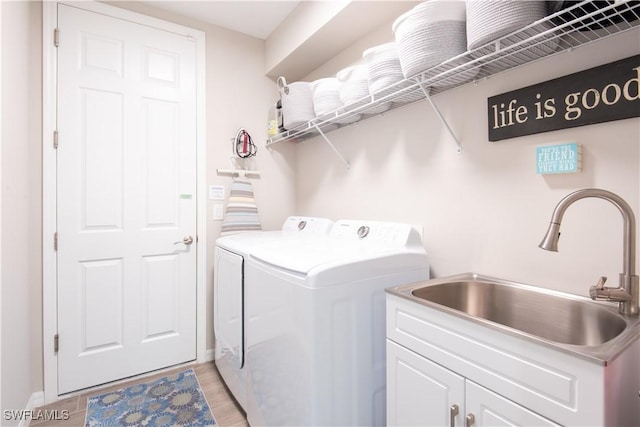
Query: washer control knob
(302, 225)
(363, 231)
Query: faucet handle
(593, 290)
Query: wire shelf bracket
(427, 96)
(333, 147)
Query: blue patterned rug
(175, 400)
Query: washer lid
(242, 242)
(294, 227)
(303, 256)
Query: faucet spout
(627, 293)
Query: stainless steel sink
(565, 321)
(554, 318)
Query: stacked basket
(429, 34)
(490, 20)
(326, 96)
(437, 35)
(385, 73)
(354, 88)
(297, 103)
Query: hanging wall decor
(601, 94)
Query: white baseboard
(210, 355)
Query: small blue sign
(563, 158)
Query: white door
(126, 190)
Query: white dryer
(228, 290)
(315, 313)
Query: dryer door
(227, 311)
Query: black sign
(601, 94)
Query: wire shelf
(577, 25)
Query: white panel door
(126, 190)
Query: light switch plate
(218, 211)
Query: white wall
(302, 24)
(484, 210)
(1, 127)
(21, 202)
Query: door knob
(187, 240)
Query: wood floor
(225, 409)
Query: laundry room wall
(238, 95)
(485, 209)
(21, 205)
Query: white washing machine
(228, 302)
(315, 323)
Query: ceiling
(257, 18)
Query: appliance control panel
(308, 225)
(373, 232)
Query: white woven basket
(354, 90)
(297, 103)
(488, 20)
(429, 34)
(326, 96)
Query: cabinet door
(420, 392)
(490, 409)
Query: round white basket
(297, 103)
(326, 96)
(326, 100)
(383, 66)
(488, 20)
(429, 34)
(353, 89)
(385, 73)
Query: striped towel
(241, 213)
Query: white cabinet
(423, 393)
(491, 409)
(436, 359)
(419, 392)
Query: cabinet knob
(453, 412)
(470, 420)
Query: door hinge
(55, 241)
(56, 343)
(56, 37)
(55, 139)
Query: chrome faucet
(626, 294)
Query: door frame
(49, 173)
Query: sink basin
(551, 317)
(566, 322)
